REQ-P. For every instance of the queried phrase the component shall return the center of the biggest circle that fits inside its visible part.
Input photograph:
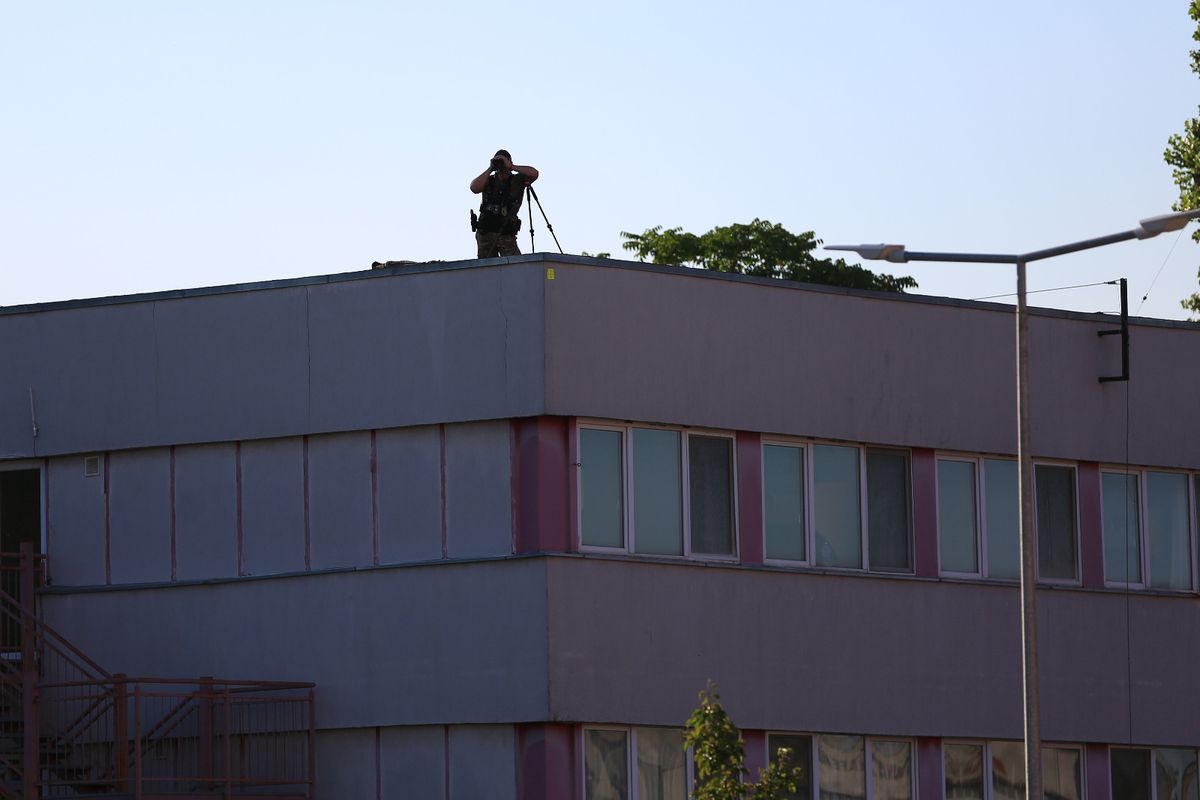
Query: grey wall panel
(339, 468)
(205, 512)
(346, 764)
(413, 763)
(75, 524)
(482, 762)
(393, 646)
(232, 366)
(376, 350)
(634, 642)
(626, 344)
(139, 515)
(409, 488)
(479, 489)
(273, 506)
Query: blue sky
(152, 145)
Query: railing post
(206, 729)
(312, 745)
(121, 731)
(29, 672)
(137, 741)
(228, 747)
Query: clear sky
(162, 145)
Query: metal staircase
(70, 729)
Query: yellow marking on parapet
(549, 273)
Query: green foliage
(1183, 155)
(720, 757)
(759, 248)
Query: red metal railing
(69, 728)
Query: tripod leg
(529, 207)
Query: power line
(1055, 289)
(1160, 269)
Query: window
(1054, 521)
(972, 769)
(1173, 776)
(840, 767)
(815, 505)
(978, 517)
(658, 760)
(657, 491)
(1147, 529)
(799, 757)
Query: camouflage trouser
(496, 244)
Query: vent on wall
(91, 466)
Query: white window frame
(806, 446)
(631, 753)
(986, 744)
(629, 534)
(980, 516)
(1037, 561)
(1142, 474)
(867, 765)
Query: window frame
(868, 744)
(980, 516)
(986, 745)
(631, 754)
(1037, 561)
(629, 532)
(1142, 474)
(806, 445)
(1143, 538)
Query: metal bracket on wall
(1124, 333)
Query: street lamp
(899, 254)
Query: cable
(1160, 269)
(1055, 289)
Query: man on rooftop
(503, 187)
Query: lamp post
(898, 254)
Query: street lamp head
(875, 252)
(1153, 226)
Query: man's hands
(506, 167)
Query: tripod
(531, 198)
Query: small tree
(720, 758)
(1183, 154)
(760, 248)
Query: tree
(720, 758)
(1183, 154)
(759, 248)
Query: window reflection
(842, 773)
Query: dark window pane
(605, 765)
(889, 521)
(1054, 490)
(836, 510)
(964, 771)
(842, 774)
(957, 517)
(783, 501)
(1062, 776)
(799, 758)
(657, 492)
(1175, 774)
(1008, 770)
(710, 489)
(891, 771)
(1169, 530)
(1122, 534)
(1130, 773)
(1001, 523)
(601, 491)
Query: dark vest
(501, 206)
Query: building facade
(511, 515)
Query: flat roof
(552, 258)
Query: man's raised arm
(528, 172)
(478, 184)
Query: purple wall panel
(1097, 779)
(929, 770)
(1091, 534)
(546, 761)
(924, 488)
(750, 497)
(139, 516)
(757, 757)
(541, 472)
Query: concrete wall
(376, 351)
(697, 350)
(441, 643)
(634, 642)
(200, 512)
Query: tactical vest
(501, 206)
